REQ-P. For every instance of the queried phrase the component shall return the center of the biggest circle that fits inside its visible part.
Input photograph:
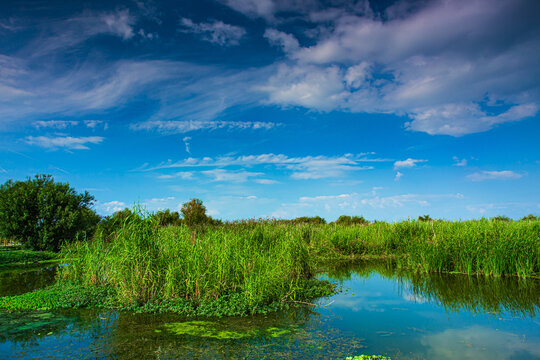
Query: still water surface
(379, 311)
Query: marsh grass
(146, 263)
(486, 247)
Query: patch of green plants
(367, 357)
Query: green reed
(145, 262)
(268, 262)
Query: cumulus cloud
(66, 142)
(216, 32)
(111, 206)
(443, 64)
(408, 163)
(494, 175)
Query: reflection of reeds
(454, 292)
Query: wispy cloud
(55, 124)
(308, 167)
(186, 140)
(398, 176)
(66, 142)
(494, 175)
(216, 32)
(77, 29)
(458, 162)
(231, 175)
(184, 126)
(408, 163)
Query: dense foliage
(42, 214)
(148, 263)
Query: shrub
(44, 215)
(168, 217)
(354, 220)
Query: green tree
(194, 213)
(44, 215)
(168, 217)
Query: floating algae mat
(215, 330)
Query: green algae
(277, 332)
(207, 329)
(215, 330)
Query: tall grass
(481, 246)
(145, 262)
(264, 262)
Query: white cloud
(55, 124)
(266, 181)
(494, 175)
(285, 41)
(92, 124)
(111, 206)
(75, 30)
(307, 167)
(186, 140)
(458, 162)
(184, 175)
(440, 64)
(398, 176)
(184, 126)
(67, 142)
(409, 163)
(216, 32)
(231, 175)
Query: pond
(381, 310)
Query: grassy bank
(246, 267)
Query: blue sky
(273, 108)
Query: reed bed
(472, 247)
(270, 262)
(145, 262)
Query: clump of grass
(148, 264)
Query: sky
(277, 108)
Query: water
(380, 311)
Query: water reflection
(19, 281)
(381, 310)
(453, 292)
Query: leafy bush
(354, 220)
(44, 215)
(530, 217)
(168, 217)
(425, 218)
